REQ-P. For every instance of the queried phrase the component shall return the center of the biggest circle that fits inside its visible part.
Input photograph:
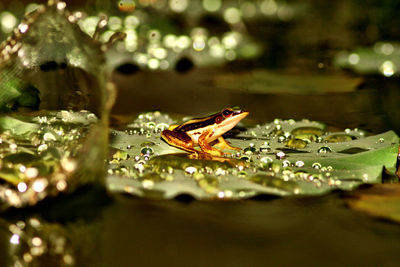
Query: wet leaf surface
(284, 157)
(41, 155)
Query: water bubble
(324, 150)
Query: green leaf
(17, 127)
(285, 157)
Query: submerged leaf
(382, 201)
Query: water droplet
(61, 185)
(296, 143)
(221, 194)
(381, 140)
(299, 163)
(242, 174)
(266, 160)
(120, 155)
(161, 127)
(14, 239)
(316, 165)
(147, 183)
(311, 131)
(22, 187)
(39, 185)
(43, 147)
(31, 172)
(220, 172)
(49, 137)
(249, 150)
(190, 170)
(265, 148)
(280, 155)
(246, 158)
(338, 138)
(147, 151)
(324, 150)
(286, 163)
(281, 139)
(69, 165)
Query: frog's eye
(227, 112)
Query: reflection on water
(60, 233)
(34, 241)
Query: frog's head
(228, 118)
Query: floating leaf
(267, 82)
(382, 201)
(270, 162)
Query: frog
(204, 131)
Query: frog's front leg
(223, 144)
(205, 146)
(179, 139)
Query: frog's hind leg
(205, 146)
(179, 139)
(223, 144)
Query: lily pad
(267, 164)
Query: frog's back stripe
(197, 123)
